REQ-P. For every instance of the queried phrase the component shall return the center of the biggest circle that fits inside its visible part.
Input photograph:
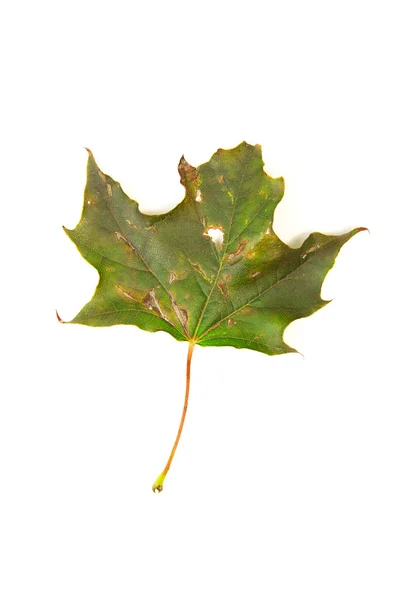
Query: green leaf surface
(165, 273)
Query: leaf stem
(157, 487)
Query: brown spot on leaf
(197, 268)
(222, 284)
(198, 197)
(220, 179)
(231, 322)
(120, 236)
(238, 250)
(125, 294)
(151, 302)
(102, 176)
(223, 287)
(312, 249)
(187, 172)
(171, 277)
(109, 190)
(181, 314)
(255, 273)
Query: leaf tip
(88, 151)
(66, 230)
(59, 319)
(187, 172)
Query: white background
(286, 484)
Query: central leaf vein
(227, 241)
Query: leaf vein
(226, 244)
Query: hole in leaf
(217, 236)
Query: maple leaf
(168, 273)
